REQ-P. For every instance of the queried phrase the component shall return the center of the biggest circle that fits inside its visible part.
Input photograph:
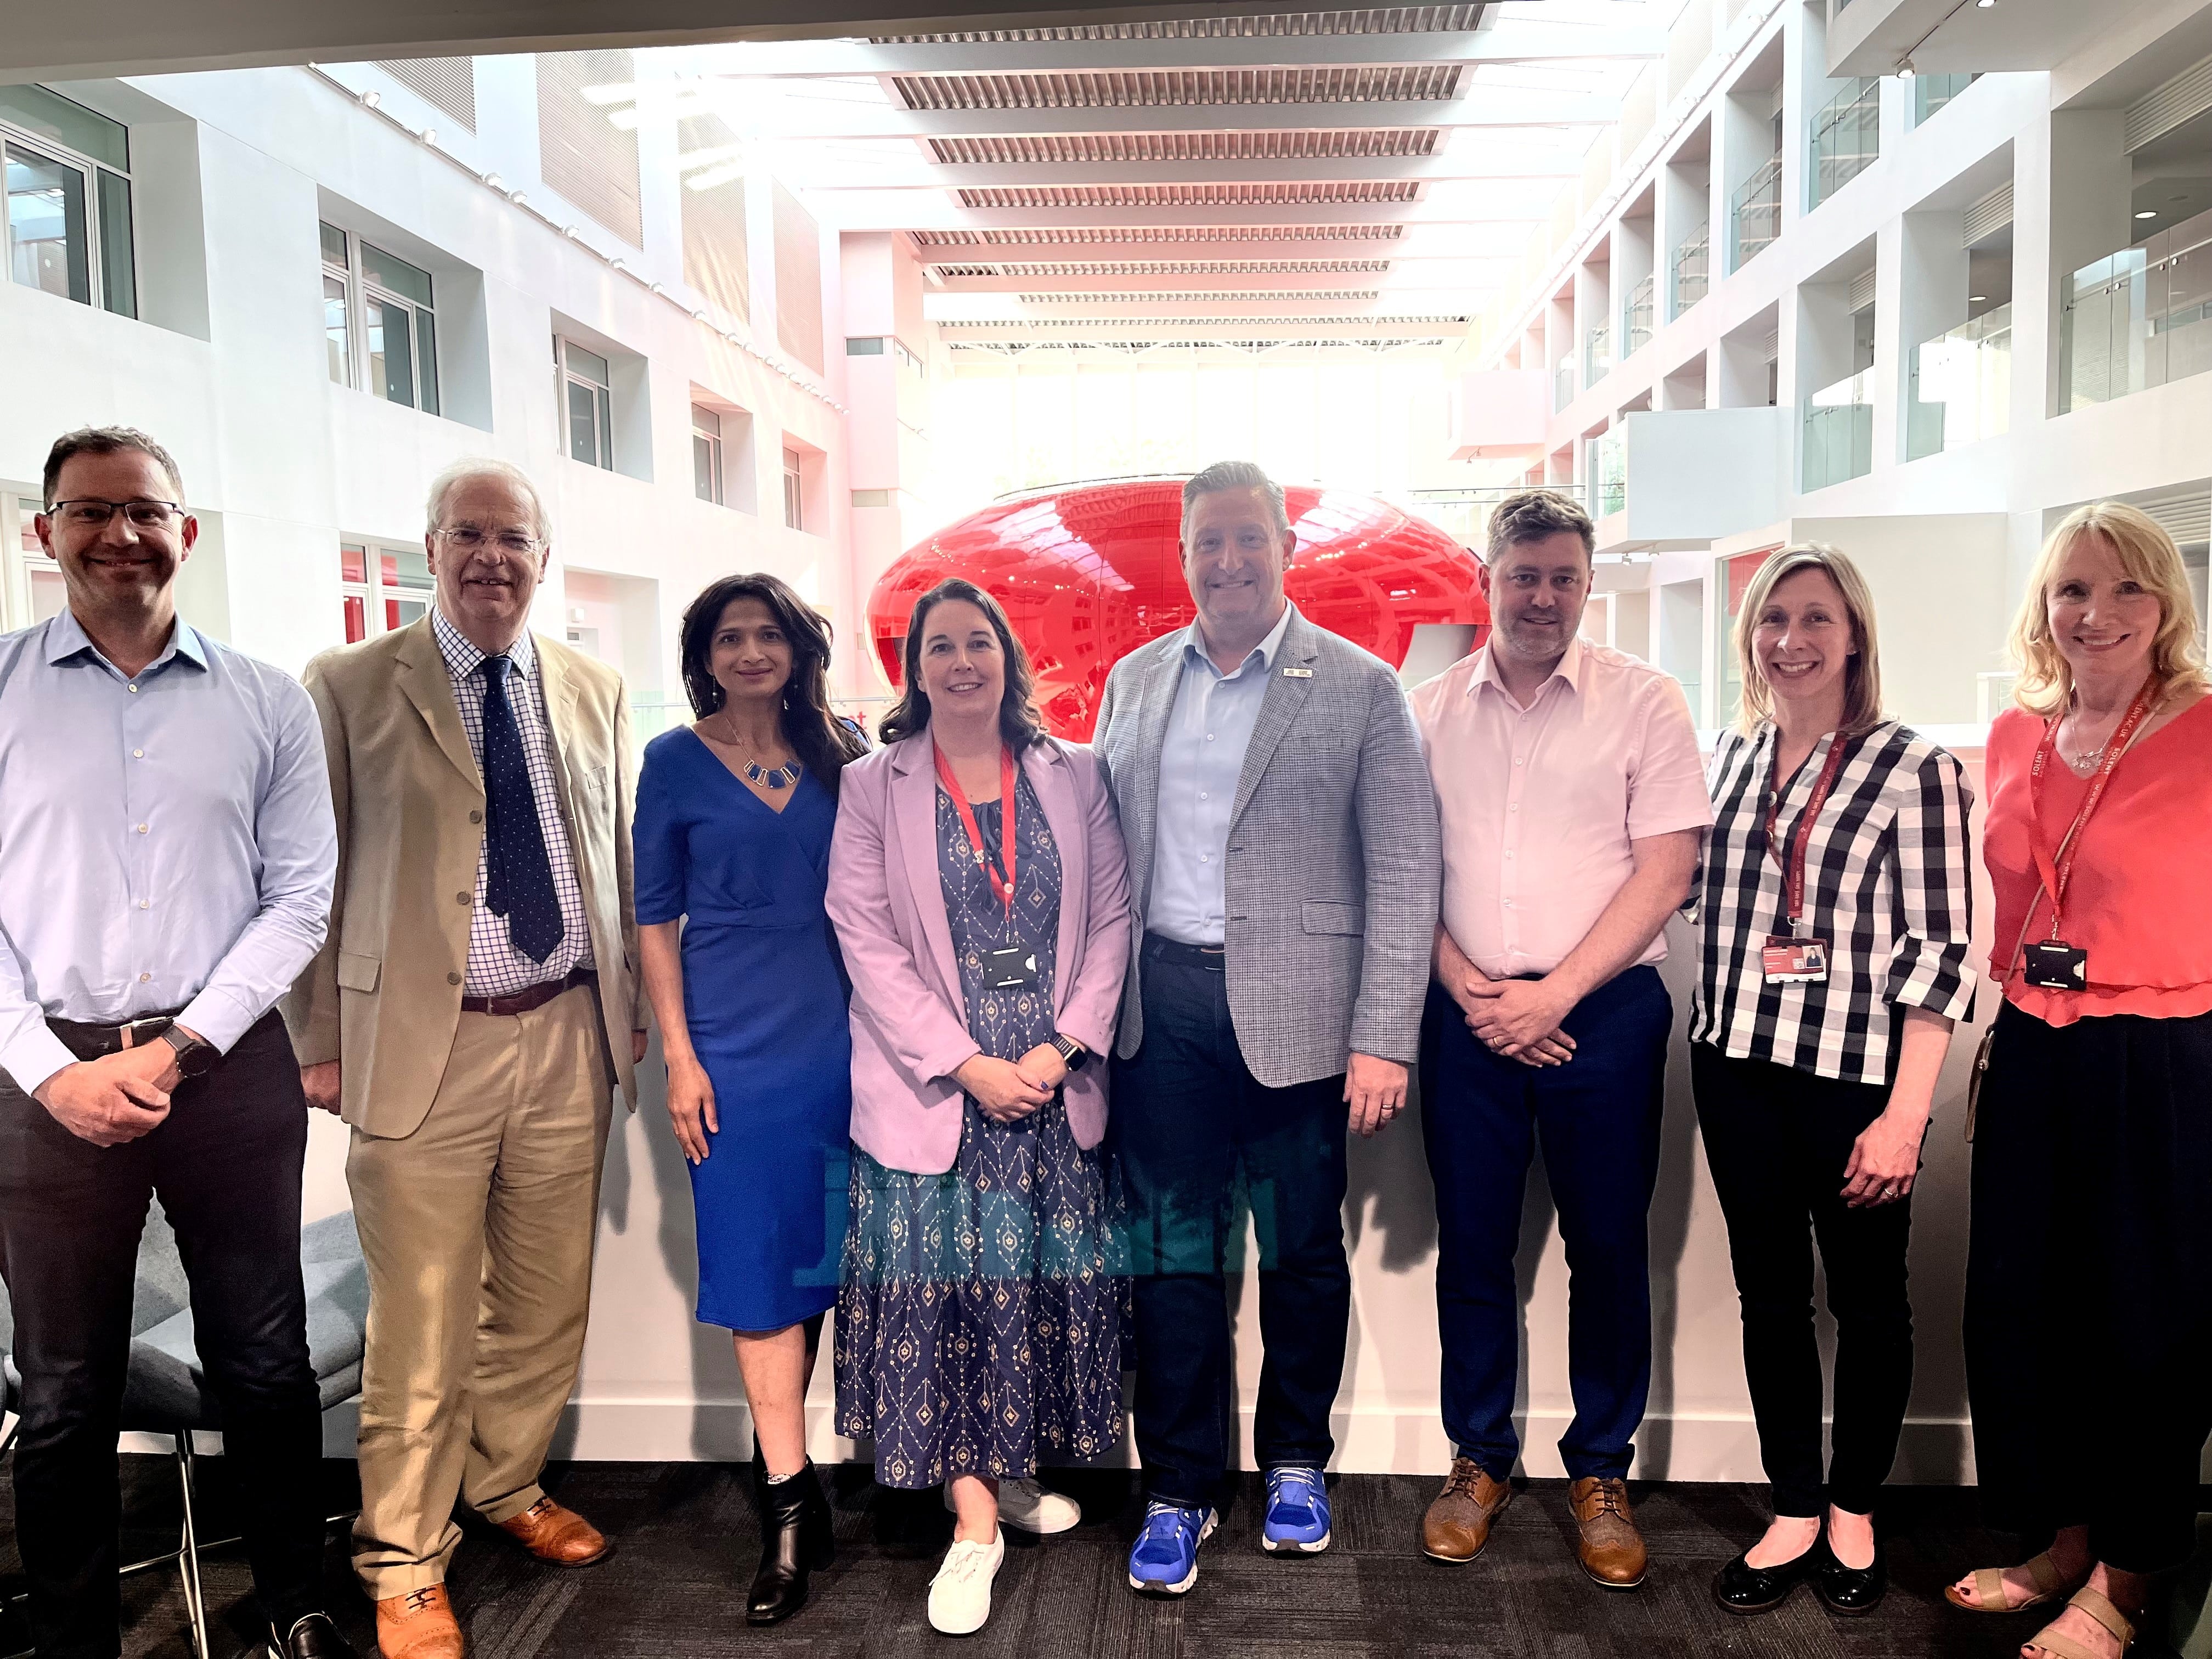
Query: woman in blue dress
(734, 814)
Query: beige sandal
(1990, 1593)
(2060, 1645)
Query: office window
(706, 453)
(379, 321)
(794, 518)
(35, 590)
(383, 588)
(68, 172)
(587, 404)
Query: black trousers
(1776, 1141)
(2090, 1281)
(226, 1166)
(1192, 1132)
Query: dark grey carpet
(686, 1541)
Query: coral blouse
(2140, 900)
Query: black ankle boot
(795, 1540)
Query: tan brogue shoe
(1610, 1548)
(558, 1536)
(419, 1625)
(1457, 1524)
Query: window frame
(101, 283)
(600, 392)
(379, 594)
(707, 455)
(26, 561)
(357, 292)
(794, 490)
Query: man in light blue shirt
(1209, 730)
(1284, 867)
(167, 857)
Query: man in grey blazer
(1284, 868)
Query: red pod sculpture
(1090, 572)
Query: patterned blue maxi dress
(979, 1318)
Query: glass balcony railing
(1638, 318)
(1846, 138)
(1961, 386)
(1608, 471)
(1839, 432)
(1598, 353)
(1755, 213)
(1563, 385)
(1931, 92)
(1690, 269)
(2138, 318)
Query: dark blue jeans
(1191, 1133)
(1598, 1116)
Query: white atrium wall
(1948, 536)
(283, 465)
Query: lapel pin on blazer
(1297, 673)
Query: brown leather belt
(535, 997)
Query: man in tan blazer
(469, 1016)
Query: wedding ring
(1889, 1191)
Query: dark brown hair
(1019, 723)
(822, 741)
(106, 440)
(1533, 514)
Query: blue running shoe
(1297, 1513)
(1165, 1559)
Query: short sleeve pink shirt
(1540, 804)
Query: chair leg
(188, 1550)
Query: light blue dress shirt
(1201, 757)
(166, 842)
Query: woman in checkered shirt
(1833, 916)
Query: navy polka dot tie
(517, 875)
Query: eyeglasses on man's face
(87, 513)
(469, 538)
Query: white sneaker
(1028, 1507)
(960, 1595)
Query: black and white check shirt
(1887, 884)
(496, 968)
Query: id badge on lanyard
(1797, 957)
(2054, 964)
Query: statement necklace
(768, 777)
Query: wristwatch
(1073, 1052)
(196, 1056)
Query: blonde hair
(2148, 555)
(1862, 673)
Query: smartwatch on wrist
(1072, 1052)
(196, 1056)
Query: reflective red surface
(1088, 573)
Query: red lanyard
(2057, 869)
(1003, 886)
(1793, 867)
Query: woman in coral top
(2090, 1271)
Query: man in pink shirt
(1573, 802)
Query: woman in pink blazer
(980, 892)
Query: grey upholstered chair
(166, 1393)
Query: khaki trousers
(477, 1230)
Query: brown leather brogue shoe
(1610, 1548)
(419, 1625)
(1457, 1524)
(557, 1536)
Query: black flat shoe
(1742, 1587)
(1853, 1592)
(795, 1540)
